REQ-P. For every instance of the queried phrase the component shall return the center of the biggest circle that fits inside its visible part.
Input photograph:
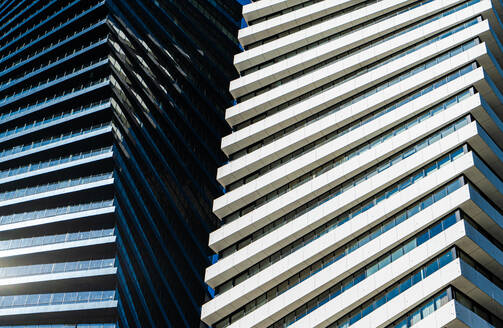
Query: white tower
(365, 174)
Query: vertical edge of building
(172, 64)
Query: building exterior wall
(364, 183)
(111, 115)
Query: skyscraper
(111, 115)
(364, 184)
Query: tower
(363, 186)
(111, 114)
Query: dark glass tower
(111, 115)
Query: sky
(243, 2)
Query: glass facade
(111, 115)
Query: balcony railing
(54, 239)
(50, 212)
(39, 269)
(23, 192)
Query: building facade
(111, 115)
(364, 184)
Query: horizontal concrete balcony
(286, 44)
(484, 81)
(46, 123)
(283, 269)
(452, 315)
(339, 118)
(289, 41)
(346, 65)
(469, 281)
(247, 164)
(57, 100)
(270, 181)
(27, 150)
(461, 234)
(105, 182)
(308, 162)
(77, 249)
(259, 217)
(65, 163)
(77, 311)
(62, 42)
(51, 219)
(58, 82)
(467, 199)
(290, 20)
(259, 9)
(86, 48)
(466, 238)
(257, 105)
(470, 165)
(36, 41)
(50, 282)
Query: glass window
(443, 161)
(57, 298)
(391, 192)
(355, 317)
(367, 309)
(283, 287)
(427, 309)
(44, 299)
(415, 317)
(432, 267)
(379, 302)
(70, 297)
(440, 194)
(236, 316)
(449, 221)
(409, 246)
(372, 269)
(400, 218)
(19, 300)
(83, 297)
(441, 300)
(430, 168)
(417, 176)
(436, 229)
(347, 283)
(427, 202)
(7, 301)
(384, 262)
(396, 254)
(335, 290)
(481, 313)
(405, 285)
(453, 186)
(261, 300)
(32, 300)
(413, 210)
(359, 276)
(422, 238)
(391, 294)
(446, 258)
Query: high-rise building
(364, 186)
(111, 115)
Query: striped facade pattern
(111, 114)
(364, 186)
